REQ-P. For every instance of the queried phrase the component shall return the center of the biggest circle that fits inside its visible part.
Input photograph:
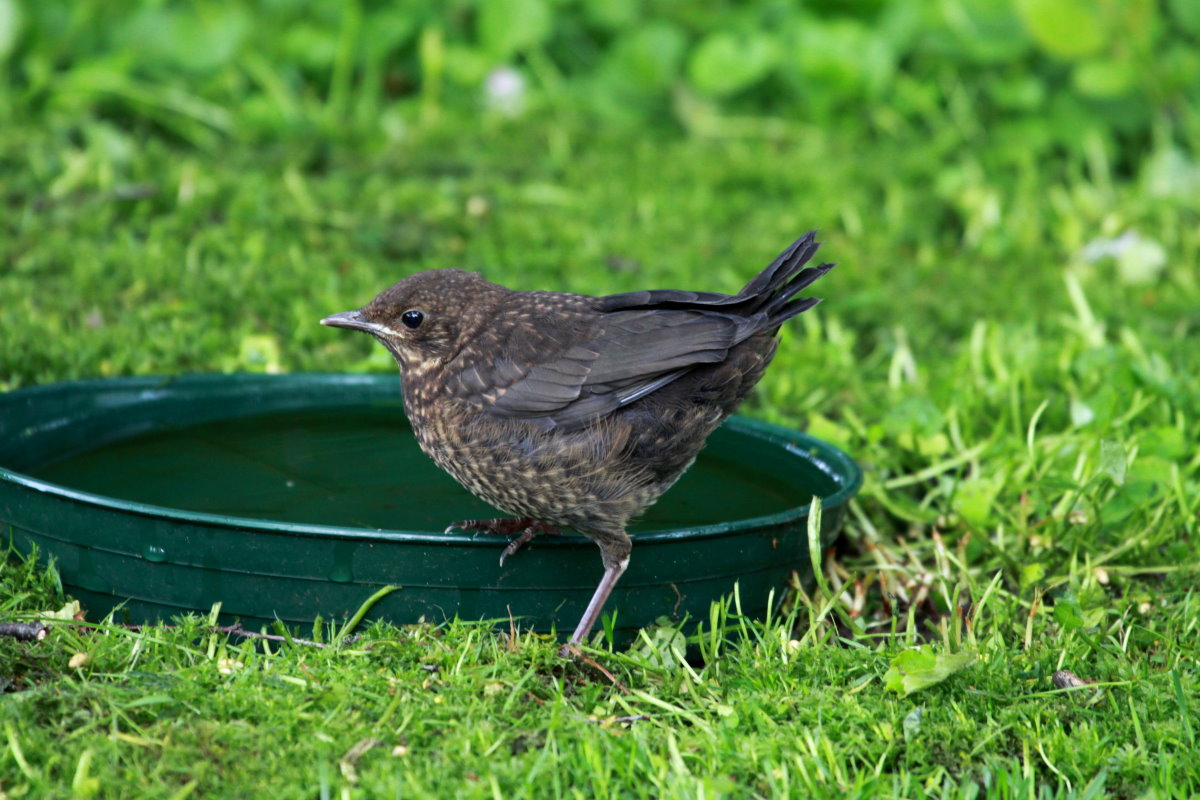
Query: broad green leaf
(507, 26)
(724, 63)
(1187, 14)
(921, 668)
(1067, 614)
(648, 57)
(612, 14)
(385, 31)
(984, 31)
(10, 24)
(661, 645)
(184, 39)
(916, 415)
(934, 445)
(466, 66)
(840, 56)
(974, 498)
(1164, 441)
(257, 353)
(1021, 92)
(1031, 573)
(1148, 479)
(1113, 460)
(1151, 470)
(1104, 77)
(823, 427)
(1069, 29)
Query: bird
(573, 411)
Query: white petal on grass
(504, 90)
(1139, 259)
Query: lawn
(1008, 347)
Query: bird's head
(422, 318)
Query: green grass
(1027, 420)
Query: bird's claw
(501, 525)
(519, 542)
(526, 527)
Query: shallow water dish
(295, 496)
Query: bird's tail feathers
(775, 287)
(785, 265)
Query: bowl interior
(359, 466)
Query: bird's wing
(624, 356)
(582, 358)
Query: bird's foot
(527, 527)
(530, 531)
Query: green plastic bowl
(295, 496)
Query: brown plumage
(574, 411)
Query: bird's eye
(412, 318)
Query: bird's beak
(354, 321)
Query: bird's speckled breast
(582, 480)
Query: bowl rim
(829, 459)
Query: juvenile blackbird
(574, 411)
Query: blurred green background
(245, 167)
(1027, 77)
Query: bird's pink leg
(596, 605)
